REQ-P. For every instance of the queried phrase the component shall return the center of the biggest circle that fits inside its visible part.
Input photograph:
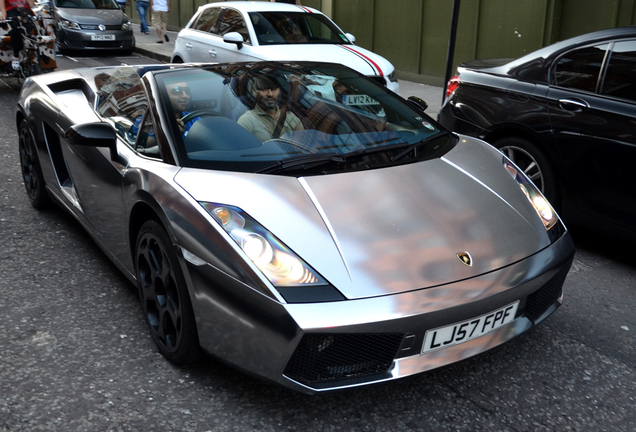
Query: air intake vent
(329, 357)
(539, 301)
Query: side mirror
(417, 103)
(94, 135)
(351, 37)
(235, 38)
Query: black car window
(206, 21)
(580, 69)
(278, 28)
(620, 77)
(233, 21)
(87, 4)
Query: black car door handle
(573, 105)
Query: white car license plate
(444, 337)
(102, 37)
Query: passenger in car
(266, 120)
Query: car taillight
(453, 83)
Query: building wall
(414, 34)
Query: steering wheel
(291, 143)
(198, 113)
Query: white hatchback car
(248, 31)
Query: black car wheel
(532, 162)
(31, 170)
(164, 296)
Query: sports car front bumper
(325, 346)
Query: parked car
(252, 31)
(296, 220)
(566, 115)
(89, 25)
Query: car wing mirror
(417, 103)
(96, 134)
(234, 38)
(351, 37)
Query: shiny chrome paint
(352, 228)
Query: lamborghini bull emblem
(465, 258)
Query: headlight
(541, 205)
(279, 264)
(126, 26)
(69, 24)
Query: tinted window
(233, 22)
(620, 78)
(87, 4)
(273, 28)
(207, 20)
(579, 69)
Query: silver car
(296, 220)
(91, 25)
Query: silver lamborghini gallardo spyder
(296, 220)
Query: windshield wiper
(307, 161)
(414, 148)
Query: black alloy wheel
(31, 170)
(533, 162)
(164, 296)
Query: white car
(253, 31)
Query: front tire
(31, 170)
(164, 297)
(533, 162)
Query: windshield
(298, 119)
(87, 4)
(277, 28)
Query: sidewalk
(148, 46)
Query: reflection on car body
(319, 259)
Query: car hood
(92, 16)
(391, 230)
(360, 59)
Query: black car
(566, 115)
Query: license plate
(101, 37)
(444, 337)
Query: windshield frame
(86, 4)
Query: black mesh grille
(329, 357)
(102, 44)
(539, 301)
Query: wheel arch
(144, 210)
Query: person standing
(17, 9)
(159, 11)
(142, 11)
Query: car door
(201, 40)
(233, 21)
(592, 105)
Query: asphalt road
(75, 353)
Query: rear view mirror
(351, 37)
(235, 38)
(417, 103)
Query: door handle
(188, 46)
(573, 105)
(212, 53)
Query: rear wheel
(533, 162)
(164, 296)
(31, 170)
